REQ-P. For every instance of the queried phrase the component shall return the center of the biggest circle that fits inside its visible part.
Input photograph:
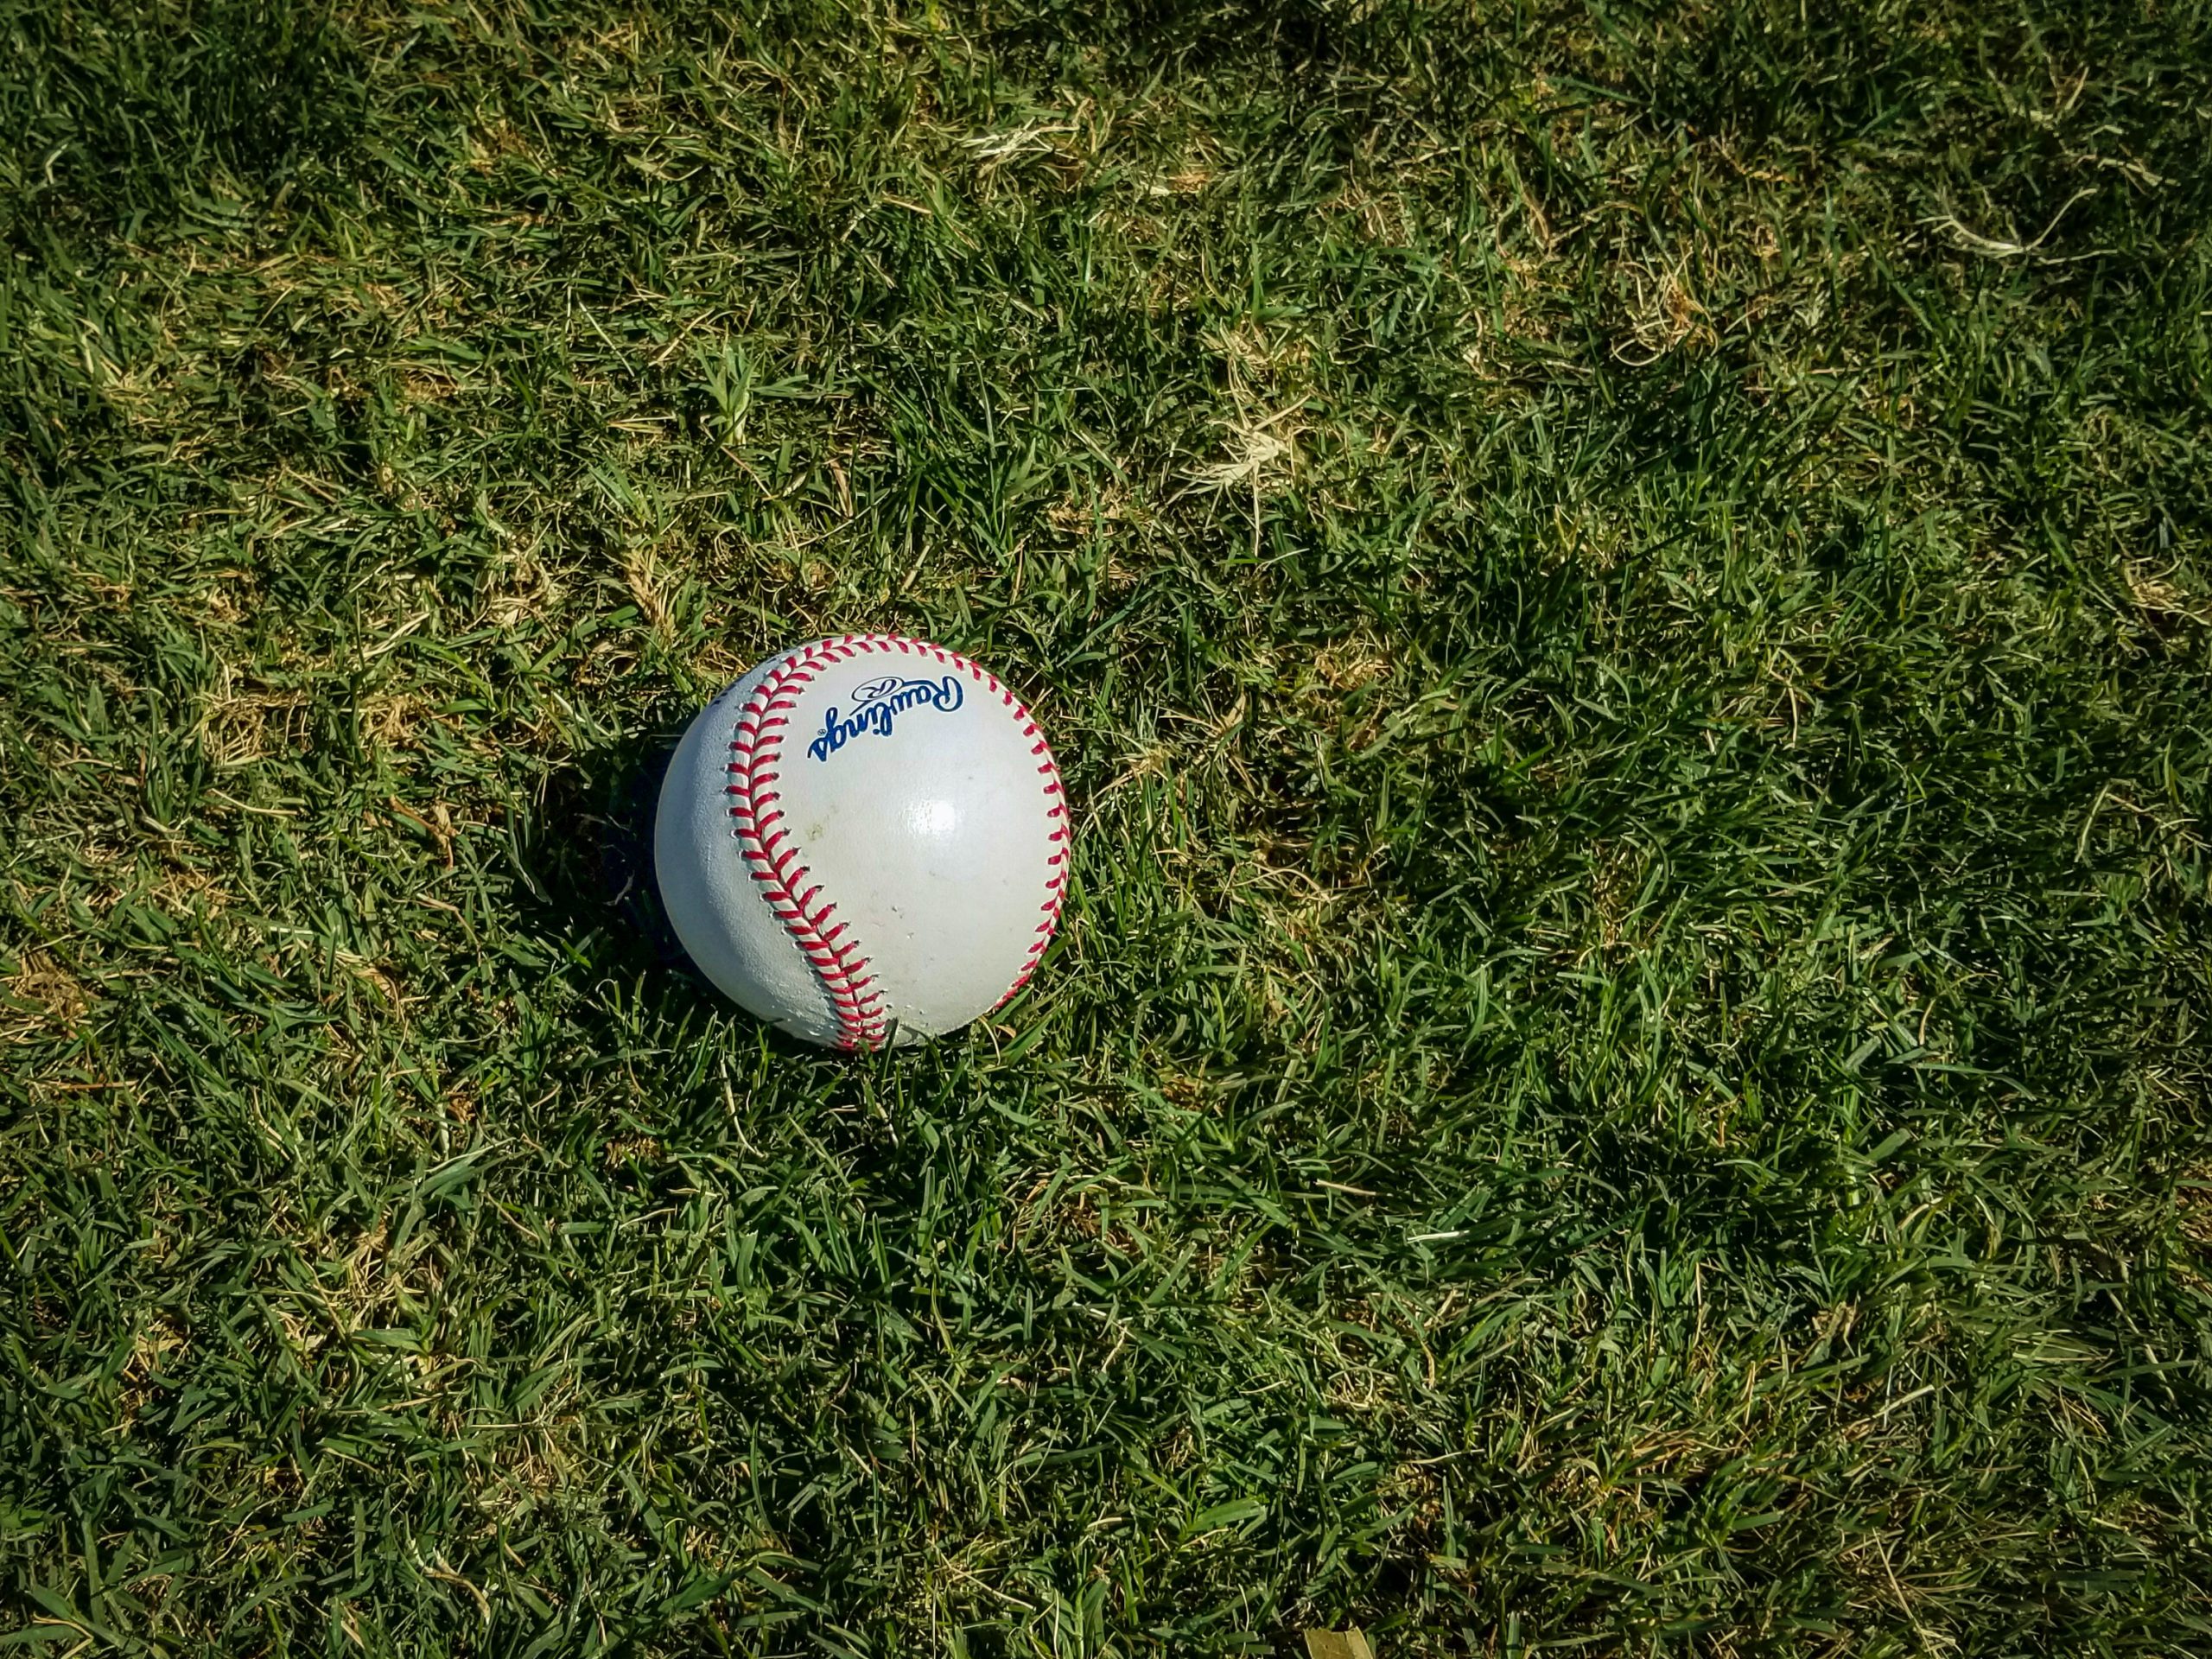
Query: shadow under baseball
(587, 853)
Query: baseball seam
(773, 856)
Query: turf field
(1624, 593)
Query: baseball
(864, 842)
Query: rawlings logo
(878, 703)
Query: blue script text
(877, 704)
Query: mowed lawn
(1624, 591)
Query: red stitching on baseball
(756, 746)
(1056, 883)
(848, 977)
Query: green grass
(1625, 594)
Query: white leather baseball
(864, 840)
